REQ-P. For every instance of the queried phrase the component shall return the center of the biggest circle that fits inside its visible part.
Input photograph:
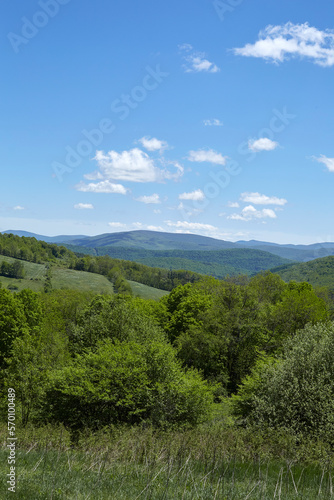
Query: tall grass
(207, 463)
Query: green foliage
(111, 317)
(298, 306)
(218, 263)
(221, 328)
(296, 391)
(13, 322)
(31, 249)
(318, 272)
(33, 356)
(128, 382)
(14, 270)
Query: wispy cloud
(196, 62)
(209, 156)
(155, 228)
(84, 206)
(116, 225)
(233, 204)
(249, 213)
(194, 195)
(154, 199)
(279, 43)
(191, 226)
(329, 162)
(153, 144)
(263, 144)
(215, 122)
(101, 187)
(262, 199)
(18, 207)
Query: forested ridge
(117, 270)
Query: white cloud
(101, 187)
(233, 204)
(279, 43)
(155, 228)
(186, 46)
(329, 162)
(137, 225)
(189, 211)
(153, 144)
(170, 175)
(213, 123)
(83, 206)
(191, 226)
(210, 156)
(157, 211)
(263, 144)
(18, 207)
(196, 61)
(116, 225)
(262, 199)
(154, 198)
(249, 213)
(194, 195)
(134, 165)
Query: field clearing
(80, 280)
(61, 278)
(34, 277)
(33, 271)
(146, 292)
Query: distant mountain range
(160, 241)
(200, 254)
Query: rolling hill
(35, 274)
(154, 240)
(318, 272)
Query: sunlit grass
(141, 463)
(146, 292)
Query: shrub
(128, 383)
(295, 392)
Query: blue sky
(209, 117)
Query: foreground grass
(143, 464)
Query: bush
(295, 392)
(128, 383)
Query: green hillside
(302, 254)
(218, 263)
(152, 240)
(80, 280)
(319, 272)
(35, 275)
(146, 292)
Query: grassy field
(34, 276)
(146, 292)
(145, 464)
(61, 278)
(80, 280)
